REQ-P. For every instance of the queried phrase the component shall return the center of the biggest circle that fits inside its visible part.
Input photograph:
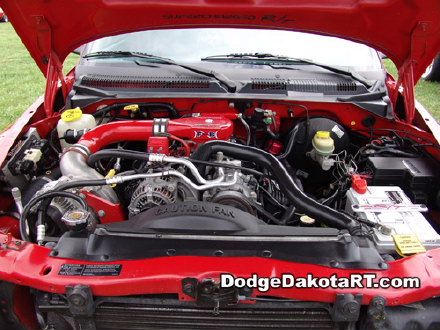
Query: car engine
(115, 163)
(107, 185)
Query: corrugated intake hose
(301, 201)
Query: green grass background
(21, 82)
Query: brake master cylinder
(323, 147)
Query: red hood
(407, 31)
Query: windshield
(191, 45)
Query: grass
(21, 82)
(427, 92)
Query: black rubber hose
(234, 167)
(34, 201)
(82, 183)
(51, 139)
(42, 209)
(290, 144)
(36, 185)
(302, 202)
(142, 156)
(267, 214)
(172, 111)
(288, 214)
(116, 153)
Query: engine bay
(222, 168)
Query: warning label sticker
(408, 244)
(90, 270)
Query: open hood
(407, 31)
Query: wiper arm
(245, 56)
(356, 76)
(228, 83)
(288, 60)
(363, 97)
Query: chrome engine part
(227, 186)
(157, 191)
(153, 192)
(60, 206)
(240, 195)
(73, 164)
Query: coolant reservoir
(74, 119)
(323, 143)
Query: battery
(388, 205)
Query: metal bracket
(189, 286)
(208, 293)
(376, 315)
(81, 306)
(160, 127)
(346, 307)
(10, 243)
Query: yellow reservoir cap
(323, 134)
(71, 114)
(323, 143)
(132, 107)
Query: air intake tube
(199, 129)
(302, 202)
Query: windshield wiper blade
(289, 60)
(363, 97)
(356, 76)
(245, 56)
(230, 85)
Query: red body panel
(407, 31)
(109, 212)
(404, 30)
(9, 136)
(30, 265)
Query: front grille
(137, 316)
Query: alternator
(153, 192)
